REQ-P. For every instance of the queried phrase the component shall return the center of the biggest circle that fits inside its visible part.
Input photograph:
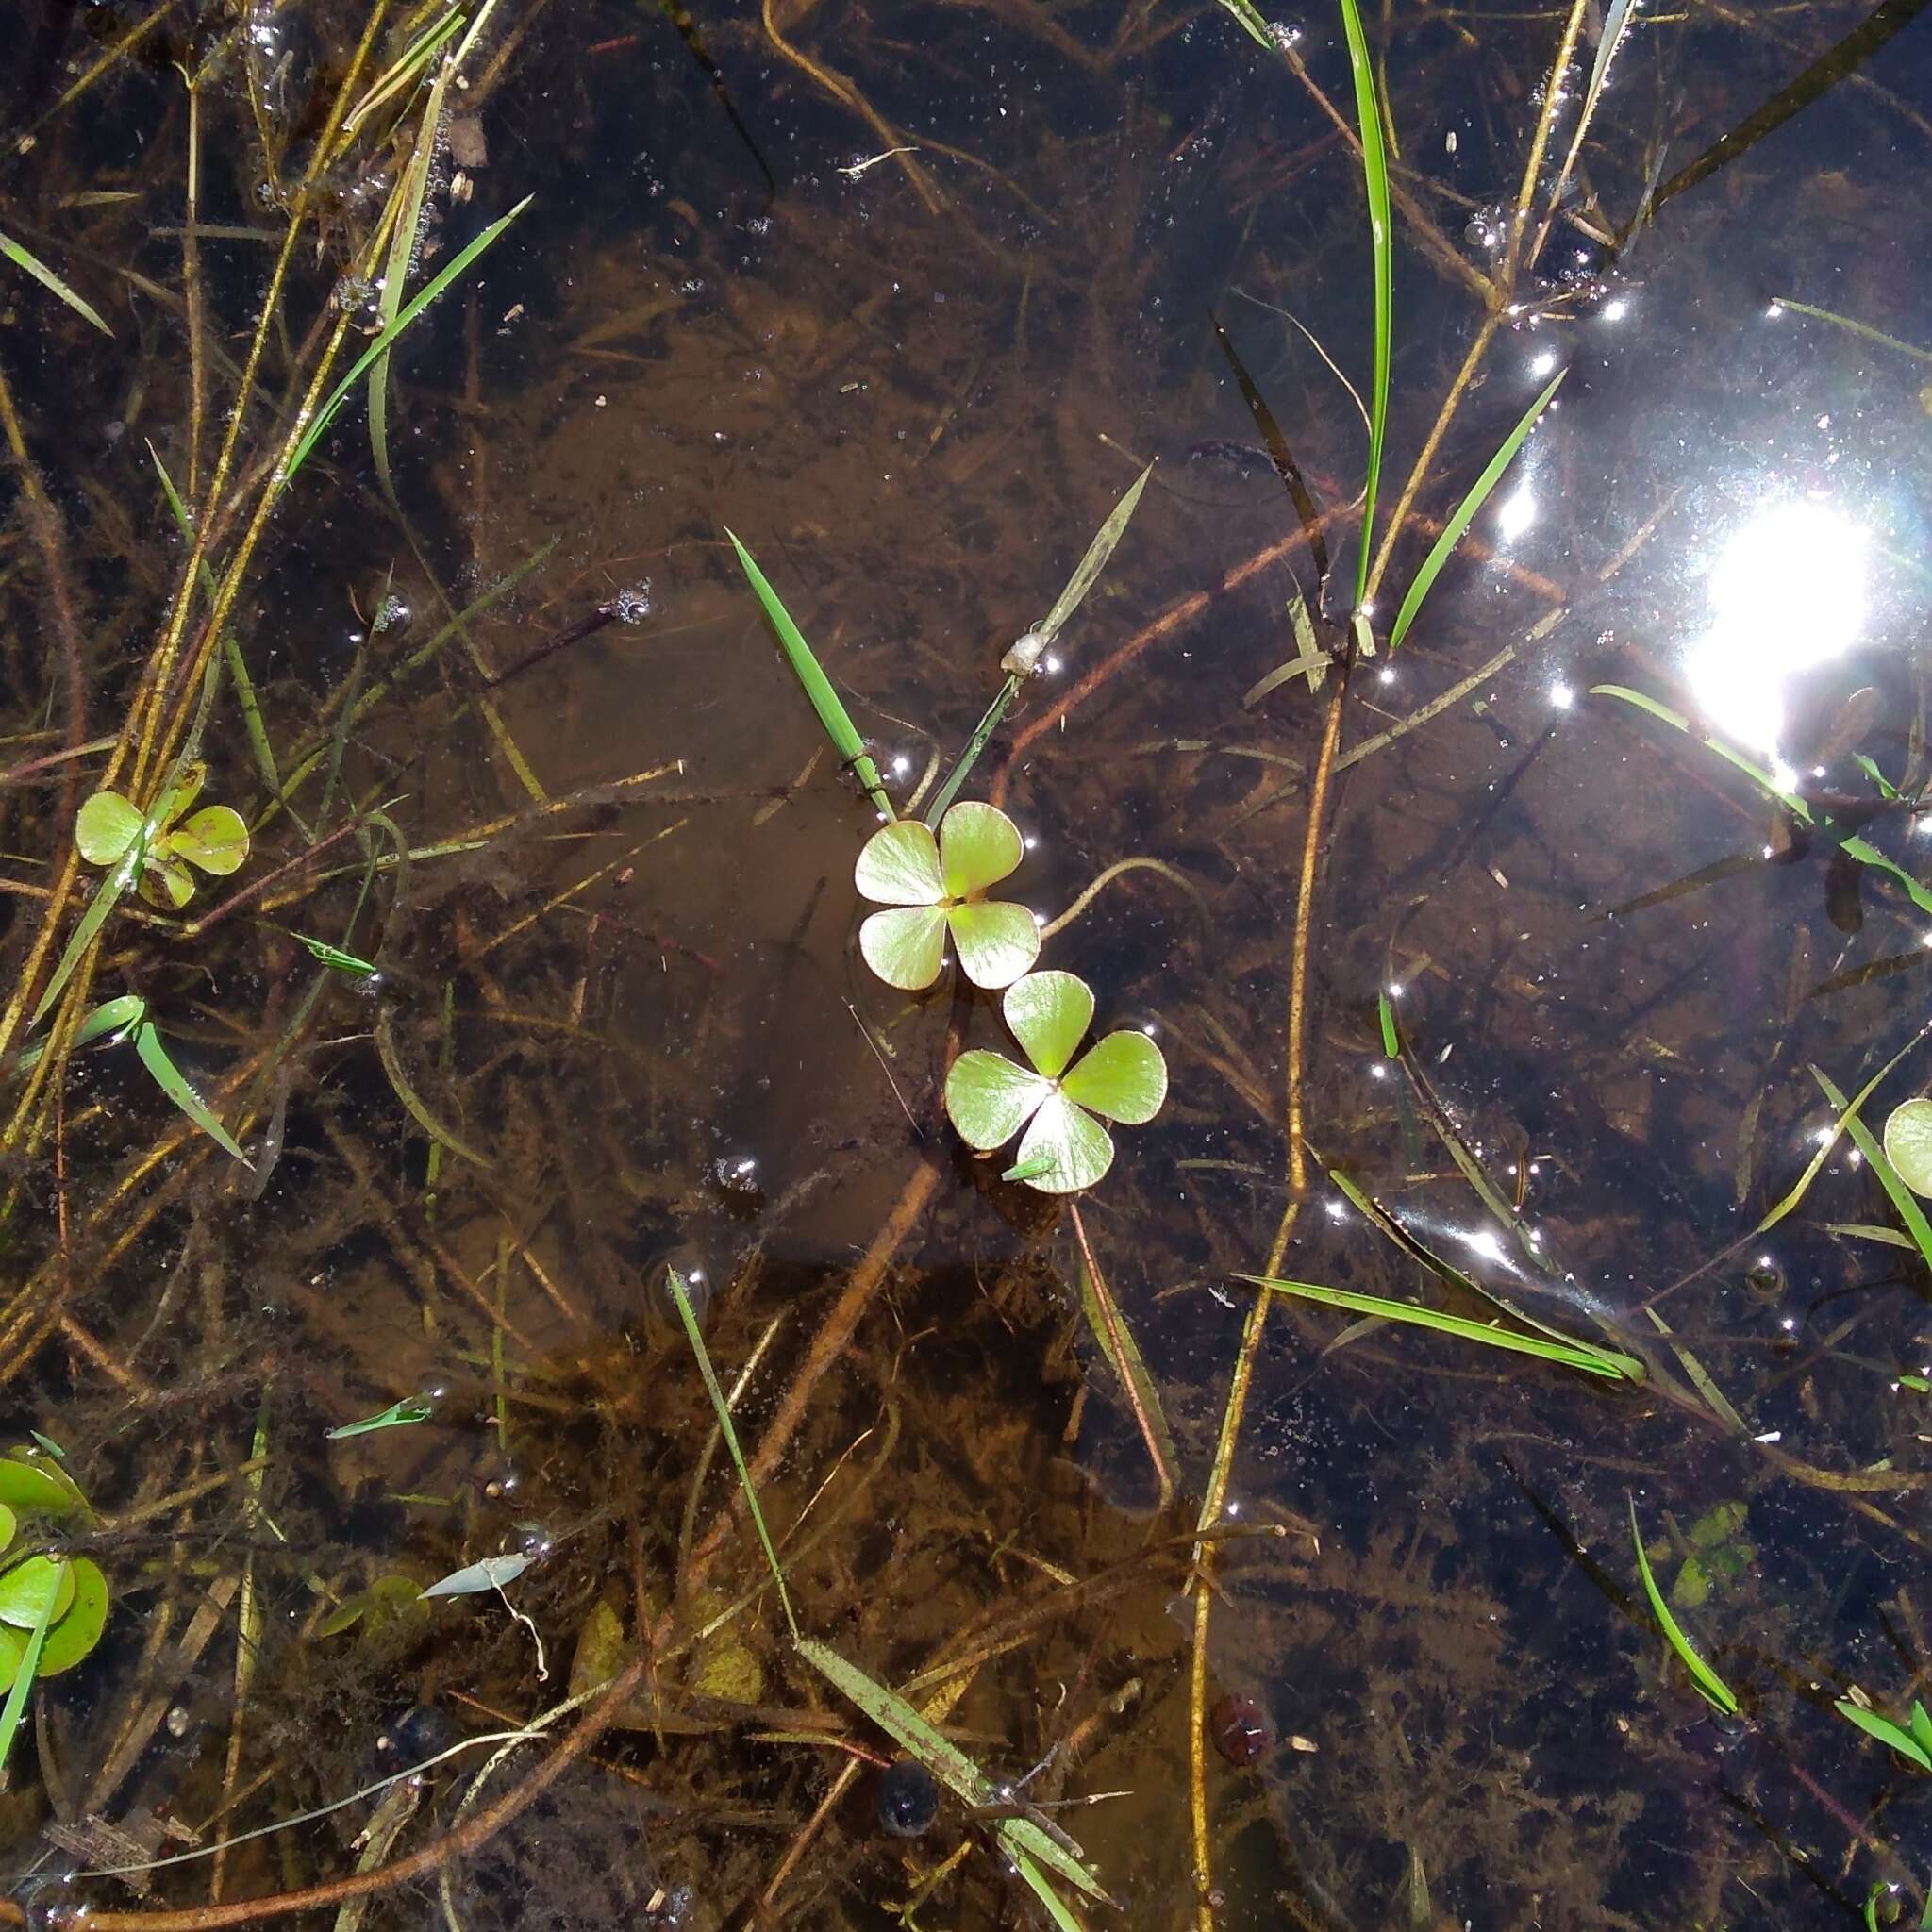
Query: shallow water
(914, 384)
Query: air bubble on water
(1488, 229)
(632, 604)
(1285, 33)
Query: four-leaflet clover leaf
(932, 886)
(1123, 1079)
(109, 829)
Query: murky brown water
(914, 385)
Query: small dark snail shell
(1239, 1730)
(909, 1799)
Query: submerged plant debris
(556, 1399)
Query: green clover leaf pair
(1123, 1079)
(72, 1591)
(931, 887)
(110, 828)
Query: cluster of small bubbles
(392, 615)
(1488, 229)
(632, 604)
(268, 195)
(691, 285)
(736, 1177)
(359, 297)
(758, 225)
(1285, 33)
(534, 1540)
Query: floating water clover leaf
(1908, 1144)
(215, 839)
(1123, 1079)
(933, 885)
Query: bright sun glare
(1788, 592)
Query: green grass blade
(1368, 111)
(832, 714)
(404, 242)
(1251, 22)
(728, 1430)
(1896, 1735)
(1856, 329)
(1087, 571)
(411, 1409)
(48, 279)
(1465, 514)
(1713, 1688)
(1609, 1362)
(1677, 720)
(404, 316)
(107, 896)
(946, 1762)
(50, 1574)
(1569, 1354)
(1392, 1041)
(174, 1083)
(1116, 1339)
(975, 745)
(109, 1017)
(412, 1102)
(1877, 1158)
(1803, 1184)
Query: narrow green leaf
(1856, 329)
(1664, 714)
(1314, 663)
(833, 718)
(1710, 1686)
(1087, 571)
(29, 1664)
(1251, 23)
(107, 896)
(1896, 1735)
(169, 1079)
(411, 1409)
(325, 416)
(1869, 765)
(1108, 1323)
(109, 1017)
(404, 242)
(1392, 1043)
(988, 724)
(946, 1762)
(681, 1295)
(1902, 1198)
(1382, 240)
(334, 957)
(1465, 514)
(1572, 1354)
(48, 279)
(412, 1103)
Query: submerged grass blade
(1368, 111)
(1116, 1339)
(832, 714)
(1887, 1732)
(1251, 23)
(1087, 573)
(946, 1762)
(109, 1017)
(1609, 1362)
(325, 416)
(1879, 1161)
(412, 1102)
(107, 896)
(405, 246)
(975, 745)
(1856, 329)
(174, 1083)
(1569, 1354)
(48, 279)
(1465, 514)
(1801, 1186)
(681, 1295)
(1710, 1686)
